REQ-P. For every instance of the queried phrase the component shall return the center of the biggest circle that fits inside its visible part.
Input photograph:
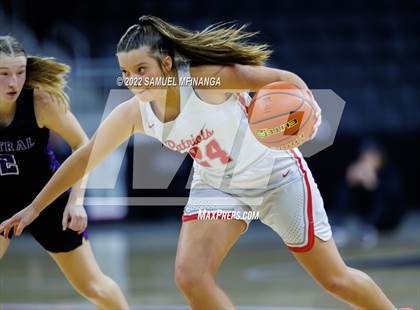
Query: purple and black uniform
(26, 164)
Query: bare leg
(81, 270)
(202, 247)
(325, 265)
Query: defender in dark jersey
(32, 102)
(26, 164)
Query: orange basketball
(281, 116)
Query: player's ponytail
(50, 75)
(41, 72)
(221, 43)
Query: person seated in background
(371, 190)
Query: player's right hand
(19, 221)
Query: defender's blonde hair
(41, 72)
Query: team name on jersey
(15, 146)
(186, 144)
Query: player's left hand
(75, 218)
(19, 221)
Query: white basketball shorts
(291, 204)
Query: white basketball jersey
(217, 136)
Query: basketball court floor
(259, 273)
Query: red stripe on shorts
(191, 217)
(311, 234)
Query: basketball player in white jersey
(231, 169)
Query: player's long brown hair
(41, 72)
(221, 43)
